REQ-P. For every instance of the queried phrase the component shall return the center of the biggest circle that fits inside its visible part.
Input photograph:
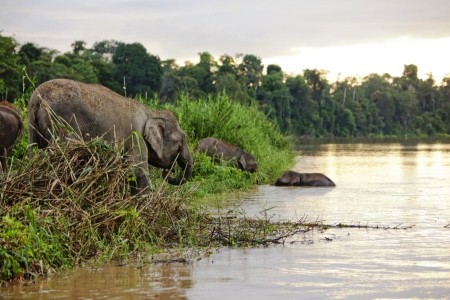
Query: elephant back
(75, 95)
(91, 109)
(11, 126)
(219, 149)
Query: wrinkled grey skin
(94, 110)
(11, 130)
(219, 149)
(292, 178)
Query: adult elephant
(11, 130)
(219, 149)
(292, 178)
(96, 111)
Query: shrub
(244, 126)
(70, 203)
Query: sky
(343, 37)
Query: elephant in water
(292, 178)
(96, 111)
(219, 149)
(11, 130)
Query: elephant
(219, 149)
(11, 131)
(292, 178)
(96, 111)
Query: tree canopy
(304, 104)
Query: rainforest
(303, 104)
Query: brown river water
(389, 184)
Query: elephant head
(167, 145)
(247, 162)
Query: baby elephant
(292, 178)
(11, 130)
(219, 149)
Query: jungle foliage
(242, 125)
(71, 203)
(303, 105)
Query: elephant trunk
(185, 162)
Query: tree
(203, 72)
(171, 83)
(100, 58)
(320, 92)
(304, 112)
(105, 48)
(234, 88)
(251, 69)
(198, 79)
(29, 53)
(405, 108)
(139, 71)
(227, 79)
(410, 72)
(227, 65)
(37, 62)
(10, 70)
(275, 98)
(317, 82)
(427, 94)
(78, 47)
(74, 67)
(349, 94)
(189, 75)
(345, 122)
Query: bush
(29, 246)
(71, 203)
(244, 126)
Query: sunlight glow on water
(384, 184)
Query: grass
(243, 126)
(71, 203)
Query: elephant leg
(3, 160)
(137, 155)
(139, 183)
(3, 164)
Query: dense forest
(305, 105)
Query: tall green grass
(244, 126)
(29, 245)
(71, 203)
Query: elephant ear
(242, 162)
(154, 135)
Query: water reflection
(388, 183)
(164, 281)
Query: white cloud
(181, 29)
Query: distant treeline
(305, 105)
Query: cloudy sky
(346, 37)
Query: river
(401, 186)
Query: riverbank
(384, 234)
(70, 204)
